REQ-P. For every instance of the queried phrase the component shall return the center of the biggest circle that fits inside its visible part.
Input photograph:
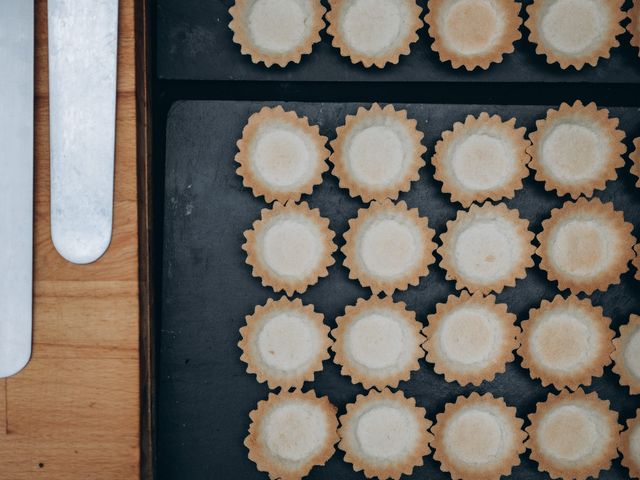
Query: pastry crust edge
(252, 181)
(261, 271)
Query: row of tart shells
(469, 339)
(377, 154)
(467, 33)
(585, 246)
(479, 437)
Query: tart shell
(578, 62)
(626, 377)
(243, 158)
(392, 469)
(459, 470)
(635, 159)
(251, 356)
(598, 362)
(350, 368)
(634, 25)
(595, 116)
(341, 170)
(515, 136)
(350, 249)
(259, 452)
(625, 446)
(380, 61)
(242, 36)
(577, 472)
(518, 270)
(608, 277)
(499, 362)
(503, 45)
(259, 267)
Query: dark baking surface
(195, 43)
(203, 394)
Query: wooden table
(74, 411)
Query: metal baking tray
(203, 394)
(194, 42)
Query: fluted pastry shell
(377, 342)
(635, 160)
(290, 433)
(585, 246)
(573, 435)
(284, 343)
(276, 32)
(634, 24)
(626, 355)
(384, 434)
(374, 32)
(377, 153)
(388, 247)
(630, 446)
(559, 29)
(478, 437)
(487, 234)
(473, 33)
(566, 342)
(482, 158)
(290, 247)
(280, 155)
(577, 149)
(470, 338)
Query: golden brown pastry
(290, 433)
(276, 32)
(473, 33)
(575, 32)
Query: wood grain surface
(74, 411)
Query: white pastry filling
(386, 431)
(471, 27)
(573, 27)
(634, 444)
(582, 247)
(283, 156)
(291, 245)
(481, 161)
(478, 436)
(279, 26)
(573, 152)
(390, 246)
(564, 340)
(469, 337)
(632, 353)
(377, 340)
(375, 27)
(487, 249)
(287, 341)
(378, 151)
(571, 434)
(295, 431)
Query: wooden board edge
(145, 236)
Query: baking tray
(203, 394)
(194, 42)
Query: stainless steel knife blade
(83, 39)
(16, 183)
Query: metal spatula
(83, 39)
(16, 183)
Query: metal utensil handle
(16, 184)
(83, 39)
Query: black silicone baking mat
(203, 395)
(193, 42)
